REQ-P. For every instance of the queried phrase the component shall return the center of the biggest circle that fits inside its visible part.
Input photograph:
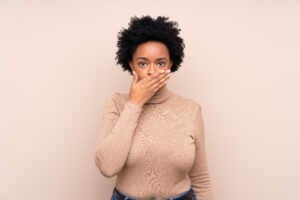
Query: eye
(140, 63)
(163, 64)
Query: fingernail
(162, 71)
(168, 70)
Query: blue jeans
(172, 198)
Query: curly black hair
(148, 29)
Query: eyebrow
(147, 58)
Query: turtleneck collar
(160, 95)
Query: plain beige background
(58, 69)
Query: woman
(151, 137)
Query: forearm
(202, 186)
(199, 173)
(111, 153)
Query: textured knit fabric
(156, 150)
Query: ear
(171, 63)
(131, 65)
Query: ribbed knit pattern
(156, 150)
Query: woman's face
(150, 57)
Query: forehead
(151, 49)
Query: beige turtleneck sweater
(156, 150)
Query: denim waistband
(170, 198)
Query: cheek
(142, 74)
(142, 77)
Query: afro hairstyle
(145, 29)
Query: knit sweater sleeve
(116, 134)
(199, 173)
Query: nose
(152, 69)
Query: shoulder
(186, 103)
(118, 97)
(117, 100)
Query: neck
(160, 95)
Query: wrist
(136, 102)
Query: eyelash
(159, 62)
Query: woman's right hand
(142, 90)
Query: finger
(158, 78)
(148, 81)
(155, 75)
(158, 84)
